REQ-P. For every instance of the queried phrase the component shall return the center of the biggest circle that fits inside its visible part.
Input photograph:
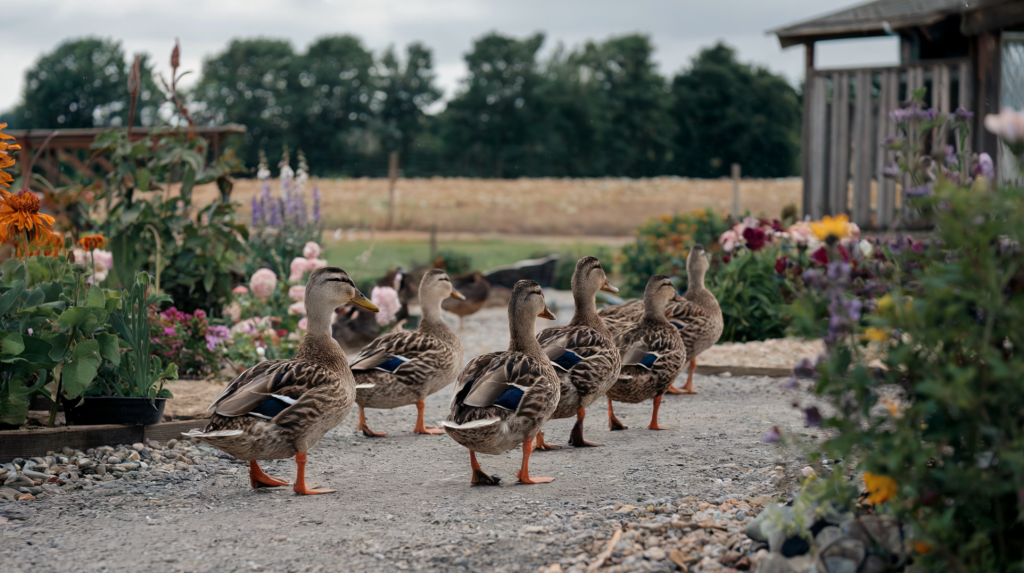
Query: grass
(485, 253)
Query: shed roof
(877, 18)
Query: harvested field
(528, 206)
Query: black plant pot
(98, 410)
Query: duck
(583, 352)
(476, 290)
(502, 399)
(404, 367)
(652, 353)
(281, 408)
(353, 328)
(698, 317)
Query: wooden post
(433, 243)
(815, 181)
(805, 135)
(392, 176)
(839, 163)
(862, 151)
(988, 68)
(886, 200)
(736, 191)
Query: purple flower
(961, 114)
(984, 167)
(216, 335)
(814, 278)
(773, 436)
(256, 214)
(922, 191)
(791, 384)
(839, 271)
(168, 331)
(806, 369)
(316, 205)
(925, 114)
(812, 417)
(951, 157)
(891, 171)
(901, 115)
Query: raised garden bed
(29, 443)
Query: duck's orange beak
(607, 286)
(458, 295)
(546, 314)
(362, 302)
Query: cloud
(679, 28)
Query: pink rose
(297, 293)
(304, 324)
(298, 269)
(311, 250)
(297, 308)
(263, 283)
(386, 299)
(240, 289)
(315, 264)
(233, 311)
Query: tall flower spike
(175, 56)
(133, 93)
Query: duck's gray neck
(654, 311)
(523, 329)
(586, 312)
(433, 324)
(697, 293)
(318, 345)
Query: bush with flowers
(188, 340)
(923, 366)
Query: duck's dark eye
(334, 280)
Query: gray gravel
(405, 502)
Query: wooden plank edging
(33, 443)
(744, 371)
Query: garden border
(33, 443)
(708, 370)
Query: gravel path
(404, 502)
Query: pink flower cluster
(386, 299)
(301, 265)
(263, 283)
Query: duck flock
(630, 352)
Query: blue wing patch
(678, 324)
(392, 364)
(648, 361)
(272, 407)
(567, 360)
(510, 399)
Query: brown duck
(281, 408)
(475, 288)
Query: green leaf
(74, 316)
(95, 298)
(80, 370)
(12, 270)
(13, 345)
(109, 348)
(15, 395)
(10, 298)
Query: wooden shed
(968, 54)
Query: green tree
(251, 83)
(489, 124)
(332, 110)
(632, 105)
(403, 93)
(82, 83)
(729, 112)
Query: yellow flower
(19, 214)
(5, 157)
(880, 488)
(876, 334)
(885, 304)
(838, 226)
(893, 405)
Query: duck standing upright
(404, 367)
(476, 290)
(652, 354)
(502, 399)
(698, 317)
(281, 408)
(583, 352)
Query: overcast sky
(679, 28)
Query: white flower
(386, 299)
(297, 308)
(1008, 125)
(287, 173)
(263, 173)
(866, 248)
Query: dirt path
(404, 501)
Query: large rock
(774, 564)
(842, 555)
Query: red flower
(282, 332)
(726, 258)
(820, 256)
(781, 264)
(777, 226)
(846, 253)
(755, 238)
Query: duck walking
(698, 317)
(281, 408)
(404, 367)
(583, 352)
(652, 354)
(476, 290)
(502, 399)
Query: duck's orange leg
(613, 422)
(576, 437)
(258, 479)
(544, 446)
(654, 417)
(688, 388)
(479, 477)
(366, 429)
(524, 471)
(300, 479)
(420, 428)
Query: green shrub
(752, 295)
(454, 263)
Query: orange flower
(5, 157)
(880, 488)
(92, 242)
(921, 547)
(19, 214)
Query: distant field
(566, 207)
(412, 249)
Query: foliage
(662, 245)
(140, 374)
(728, 112)
(53, 332)
(752, 295)
(453, 262)
(81, 84)
(935, 422)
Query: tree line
(600, 109)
